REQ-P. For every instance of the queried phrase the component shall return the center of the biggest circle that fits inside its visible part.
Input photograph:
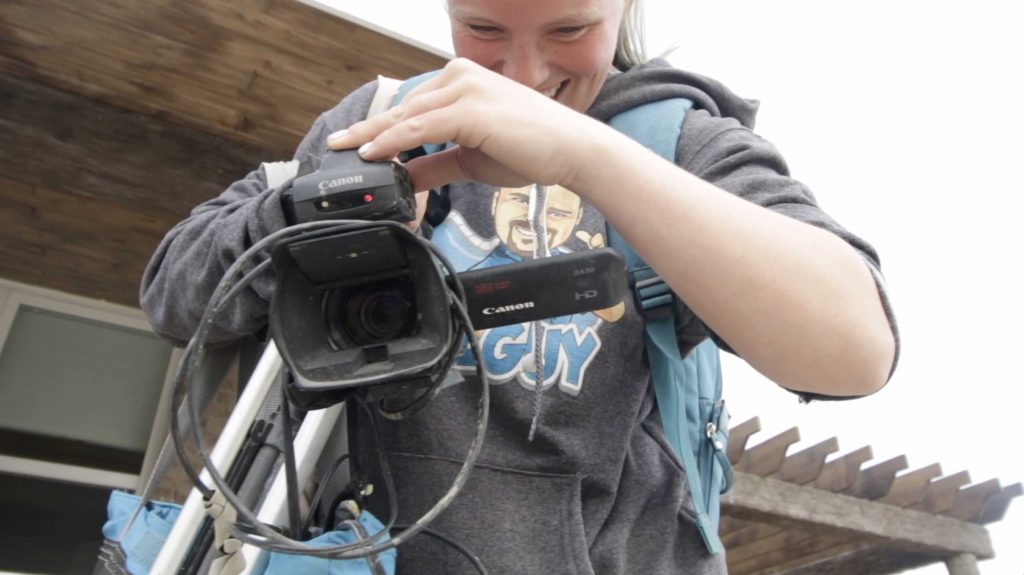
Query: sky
(904, 118)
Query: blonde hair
(630, 51)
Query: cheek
(595, 55)
(585, 59)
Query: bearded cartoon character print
(473, 239)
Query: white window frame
(13, 295)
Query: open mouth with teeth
(523, 238)
(555, 91)
(525, 232)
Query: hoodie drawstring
(538, 226)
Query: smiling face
(512, 218)
(561, 48)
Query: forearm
(192, 258)
(795, 301)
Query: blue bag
(136, 549)
(688, 390)
(349, 532)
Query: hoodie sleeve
(731, 156)
(191, 259)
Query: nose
(525, 63)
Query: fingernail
(365, 148)
(336, 136)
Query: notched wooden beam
(875, 481)
(766, 458)
(996, 506)
(738, 437)
(942, 493)
(805, 466)
(827, 514)
(970, 502)
(910, 488)
(840, 473)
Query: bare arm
(799, 304)
(795, 301)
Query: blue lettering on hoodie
(569, 344)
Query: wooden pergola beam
(767, 458)
(996, 506)
(812, 510)
(738, 437)
(867, 558)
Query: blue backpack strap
(688, 390)
(403, 91)
(408, 85)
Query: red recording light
(367, 198)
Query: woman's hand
(761, 274)
(507, 134)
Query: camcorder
(369, 308)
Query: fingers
(421, 210)
(431, 126)
(458, 164)
(436, 170)
(485, 114)
(430, 96)
(592, 240)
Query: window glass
(50, 526)
(78, 382)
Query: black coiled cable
(266, 536)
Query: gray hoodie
(598, 489)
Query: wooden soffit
(119, 116)
(252, 71)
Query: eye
(483, 30)
(570, 32)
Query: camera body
(370, 307)
(346, 187)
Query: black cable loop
(462, 549)
(266, 537)
(291, 475)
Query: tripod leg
(309, 442)
(224, 453)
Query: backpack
(688, 390)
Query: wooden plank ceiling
(118, 116)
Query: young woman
(755, 264)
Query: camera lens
(373, 313)
(381, 315)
